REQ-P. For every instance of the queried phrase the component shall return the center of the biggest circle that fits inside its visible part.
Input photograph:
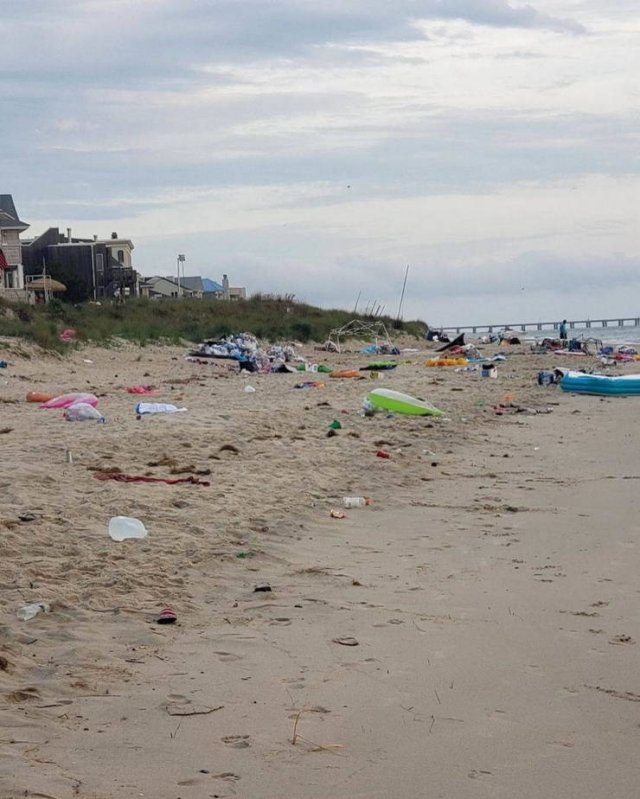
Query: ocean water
(614, 335)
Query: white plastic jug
(123, 527)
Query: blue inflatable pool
(578, 383)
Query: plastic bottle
(123, 527)
(355, 502)
(30, 611)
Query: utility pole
(181, 260)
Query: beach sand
(471, 633)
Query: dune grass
(140, 320)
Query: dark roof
(192, 283)
(8, 214)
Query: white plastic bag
(82, 412)
(123, 527)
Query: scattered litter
(348, 641)
(356, 502)
(247, 353)
(379, 366)
(547, 378)
(446, 362)
(157, 407)
(488, 370)
(3, 364)
(82, 412)
(310, 384)
(262, 587)
(335, 424)
(167, 616)
(27, 517)
(388, 400)
(123, 527)
(142, 390)
(338, 514)
(38, 396)
(381, 453)
(68, 335)
(346, 374)
(65, 400)
(28, 612)
(249, 390)
(623, 385)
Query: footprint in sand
(621, 639)
(237, 741)
(227, 657)
(23, 695)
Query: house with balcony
(11, 269)
(91, 269)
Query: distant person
(563, 330)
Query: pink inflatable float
(64, 400)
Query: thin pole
(180, 258)
(44, 281)
(404, 286)
(355, 307)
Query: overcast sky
(318, 148)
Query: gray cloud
(501, 14)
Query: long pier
(523, 327)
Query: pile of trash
(246, 351)
(380, 349)
(611, 356)
(577, 346)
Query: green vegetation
(272, 318)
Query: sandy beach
(471, 633)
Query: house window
(121, 256)
(99, 263)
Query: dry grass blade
(315, 747)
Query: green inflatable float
(387, 400)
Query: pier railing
(523, 327)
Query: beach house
(194, 287)
(91, 269)
(11, 269)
